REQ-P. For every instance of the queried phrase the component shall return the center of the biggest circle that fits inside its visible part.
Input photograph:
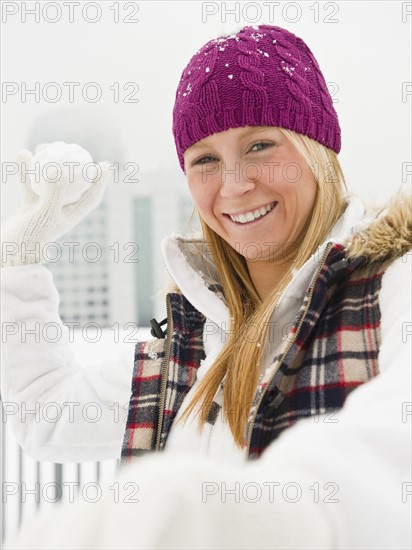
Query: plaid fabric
(335, 350)
(147, 413)
(331, 349)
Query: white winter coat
(366, 452)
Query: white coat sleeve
(59, 410)
(336, 482)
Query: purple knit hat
(261, 76)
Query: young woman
(294, 296)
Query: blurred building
(108, 269)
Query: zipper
(164, 370)
(291, 342)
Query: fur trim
(389, 236)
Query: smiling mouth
(252, 215)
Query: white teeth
(253, 215)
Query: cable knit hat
(261, 76)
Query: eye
(262, 145)
(203, 160)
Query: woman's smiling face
(253, 188)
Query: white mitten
(62, 186)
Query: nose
(236, 181)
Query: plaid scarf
(331, 349)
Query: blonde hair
(240, 357)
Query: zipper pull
(213, 413)
(156, 331)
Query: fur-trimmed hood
(388, 236)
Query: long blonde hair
(241, 355)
